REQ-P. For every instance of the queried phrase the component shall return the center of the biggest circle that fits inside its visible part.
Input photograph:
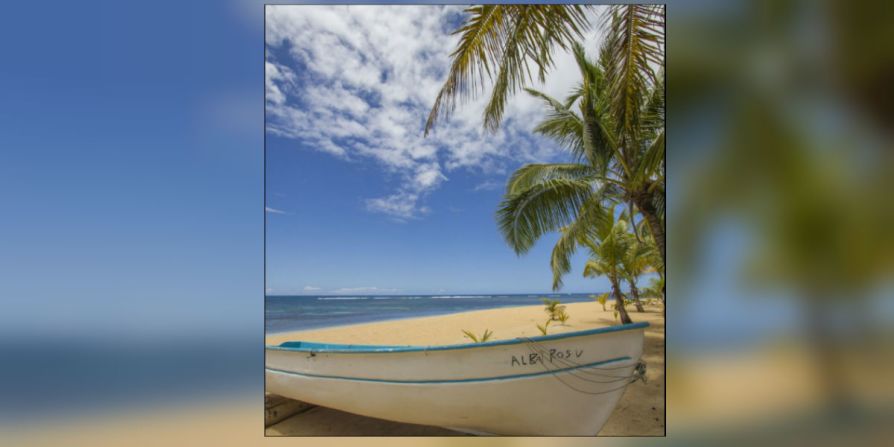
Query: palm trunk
(655, 226)
(635, 293)
(648, 210)
(663, 299)
(619, 302)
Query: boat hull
(562, 385)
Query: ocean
(290, 313)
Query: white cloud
(358, 81)
(311, 288)
(401, 205)
(489, 185)
(277, 78)
(274, 210)
(428, 176)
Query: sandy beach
(640, 411)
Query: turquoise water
(289, 313)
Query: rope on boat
(639, 371)
(583, 374)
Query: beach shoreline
(290, 313)
(640, 411)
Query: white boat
(554, 385)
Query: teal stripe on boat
(303, 346)
(481, 379)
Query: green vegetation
(483, 338)
(618, 157)
(640, 258)
(554, 308)
(602, 298)
(655, 289)
(544, 327)
(611, 123)
(505, 40)
(608, 244)
(563, 316)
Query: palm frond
(612, 244)
(561, 125)
(653, 112)
(594, 268)
(592, 217)
(560, 260)
(597, 141)
(532, 174)
(480, 45)
(546, 206)
(504, 40)
(535, 30)
(638, 259)
(633, 44)
(471, 336)
(574, 96)
(655, 288)
(649, 166)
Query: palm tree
(636, 261)
(569, 196)
(634, 44)
(607, 251)
(655, 288)
(503, 41)
(616, 137)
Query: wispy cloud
(401, 205)
(274, 210)
(311, 288)
(489, 185)
(357, 82)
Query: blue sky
(131, 171)
(131, 180)
(358, 201)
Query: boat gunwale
(454, 381)
(303, 346)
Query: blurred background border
(132, 237)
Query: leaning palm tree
(607, 252)
(541, 198)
